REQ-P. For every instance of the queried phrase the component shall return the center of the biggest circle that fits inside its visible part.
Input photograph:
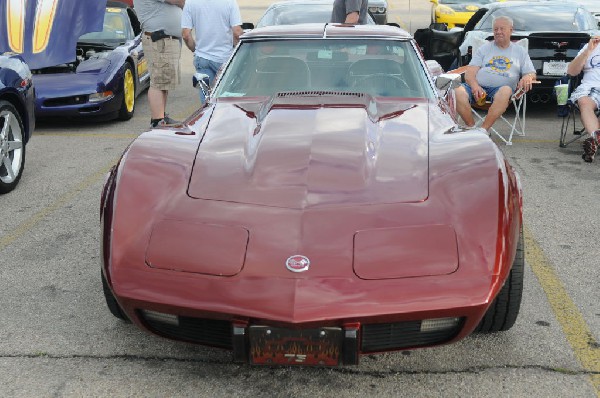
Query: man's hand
(594, 41)
(526, 82)
(352, 18)
(478, 92)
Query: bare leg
(157, 100)
(587, 107)
(498, 107)
(463, 107)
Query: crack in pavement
(341, 370)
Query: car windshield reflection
(388, 68)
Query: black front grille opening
(63, 101)
(395, 336)
(211, 332)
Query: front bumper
(373, 316)
(458, 19)
(77, 107)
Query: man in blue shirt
(218, 27)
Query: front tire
(111, 301)
(128, 103)
(12, 147)
(503, 312)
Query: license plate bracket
(280, 346)
(554, 68)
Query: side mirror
(200, 80)
(434, 67)
(447, 81)
(247, 26)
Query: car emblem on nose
(559, 44)
(297, 263)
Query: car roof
(372, 3)
(315, 30)
(531, 3)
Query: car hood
(301, 152)
(45, 33)
(65, 84)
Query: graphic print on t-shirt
(499, 64)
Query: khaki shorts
(163, 62)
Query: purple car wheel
(128, 104)
(12, 148)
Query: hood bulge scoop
(294, 154)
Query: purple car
(106, 76)
(16, 119)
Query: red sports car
(323, 204)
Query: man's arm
(471, 80)
(576, 66)
(237, 32)
(178, 3)
(188, 38)
(526, 81)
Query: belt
(164, 37)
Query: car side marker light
(103, 96)
(432, 325)
(161, 317)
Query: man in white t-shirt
(218, 27)
(587, 94)
(496, 70)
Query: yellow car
(455, 13)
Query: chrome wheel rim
(11, 147)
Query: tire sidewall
(124, 114)
(7, 187)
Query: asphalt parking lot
(58, 338)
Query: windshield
(115, 29)
(299, 13)
(388, 68)
(527, 18)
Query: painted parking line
(94, 135)
(529, 141)
(62, 200)
(576, 330)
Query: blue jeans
(208, 67)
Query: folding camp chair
(518, 100)
(517, 125)
(571, 129)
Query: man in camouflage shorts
(161, 38)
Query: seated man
(497, 68)
(587, 94)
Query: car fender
(159, 164)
